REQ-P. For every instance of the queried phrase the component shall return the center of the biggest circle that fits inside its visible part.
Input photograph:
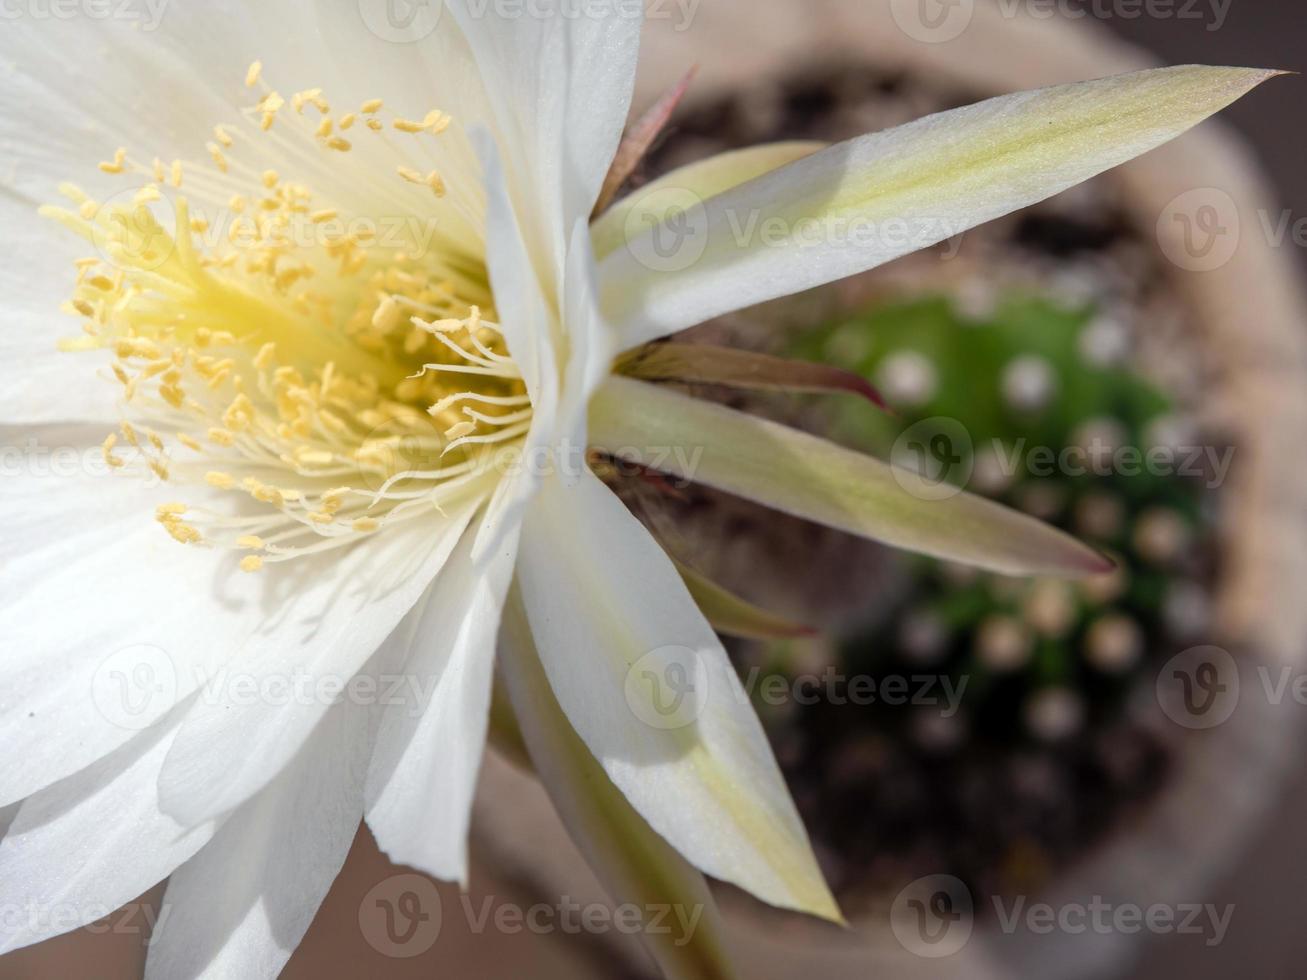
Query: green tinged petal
(862, 203)
(636, 213)
(809, 477)
(635, 865)
(733, 616)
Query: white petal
(529, 318)
(592, 348)
(76, 685)
(559, 87)
(534, 333)
(540, 334)
(611, 617)
(424, 769)
(241, 906)
(865, 202)
(36, 276)
(637, 867)
(90, 844)
(252, 716)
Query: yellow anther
(314, 457)
(222, 136)
(299, 99)
(156, 368)
(365, 525)
(326, 214)
(184, 533)
(253, 73)
(432, 180)
(386, 317)
(215, 151)
(371, 106)
(239, 414)
(334, 500)
(106, 450)
(117, 164)
(270, 105)
(173, 395)
(340, 144)
(269, 495)
(250, 542)
(221, 481)
(251, 563)
(265, 357)
(270, 179)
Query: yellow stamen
(339, 383)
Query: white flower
(364, 360)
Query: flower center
(328, 377)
